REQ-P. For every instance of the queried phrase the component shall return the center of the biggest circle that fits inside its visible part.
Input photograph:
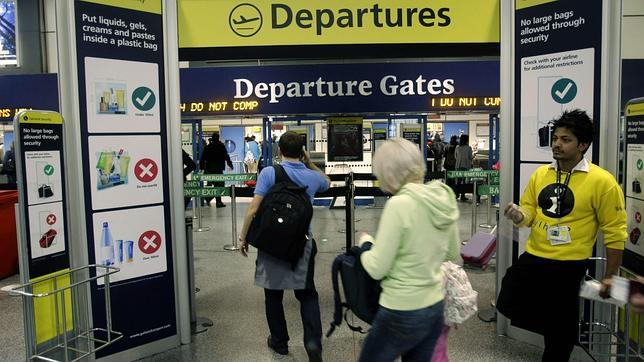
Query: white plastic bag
(460, 299)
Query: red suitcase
(479, 249)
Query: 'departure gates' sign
(234, 23)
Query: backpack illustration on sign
(361, 292)
(281, 224)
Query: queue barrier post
(200, 228)
(233, 209)
(197, 324)
(488, 223)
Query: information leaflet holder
(55, 304)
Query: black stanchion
(349, 211)
(197, 324)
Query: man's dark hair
(215, 136)
(464, 140)
(578, 122)
(291, 144)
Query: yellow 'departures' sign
(148, 6)
(635, 108)
(40, 117)
(236, 23)
(46, 308)
(522, 4)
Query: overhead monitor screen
(8, 55)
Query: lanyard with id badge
(560, 235)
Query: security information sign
(234, 23)
(557, 68)
(123, 129)
(41, 168)
(634, 171)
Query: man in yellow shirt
(565, 204)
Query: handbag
(45, 191)
(460, 298)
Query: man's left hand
(604, 290)
(243, 247)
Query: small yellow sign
(148, 6)
(40, 117)
(635, 108)
(236, 23)
(522, 4)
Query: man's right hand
(305, 158)
(513, 213)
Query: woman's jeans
(411, 334)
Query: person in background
(565, 204)
(439, 152)
(463, 155)
(188, 167)
(252, 154)
(406, 261)
(213, 161)
(275, 275)
(274, 150)
(450, 159)
(9, 164)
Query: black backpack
(281, 225)
(361, 292)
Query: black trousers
(216, 184)
(542, 295)
(309, 312)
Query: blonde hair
(396, 163)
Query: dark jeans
(309, 310)
(410, 334)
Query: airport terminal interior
(229, 299)
(99, 99)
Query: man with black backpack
(271, 224)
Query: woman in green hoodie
(418, 231)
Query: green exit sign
(488, 190)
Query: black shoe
(315, 354)
(220, 205)
(282, 351)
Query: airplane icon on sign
(243, 20)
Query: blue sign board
(340, 88)
(33, 91)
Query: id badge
(559, 235)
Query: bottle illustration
(113, 103)
(103, 105)
(116, 164)
(107, 246)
